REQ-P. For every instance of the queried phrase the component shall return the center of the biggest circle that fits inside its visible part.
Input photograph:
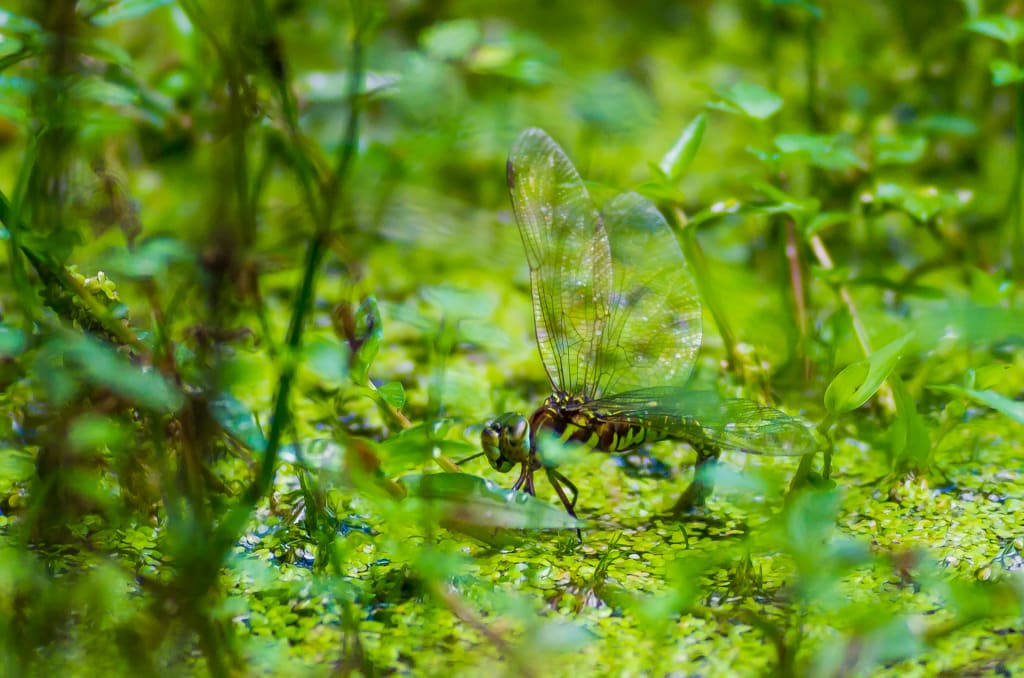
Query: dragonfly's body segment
(618, 326)
(572, 421)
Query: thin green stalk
(346, 151)
(811, 71)
(772, 50)
(1017, 248)
(235, 521)
(687, 238)
(10, 214)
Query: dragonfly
(617, 317)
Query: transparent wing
(653, 331)
(704, 417)
(569, 257)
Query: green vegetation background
(262, 279)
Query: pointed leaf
(911, 443)
(393, 394)
(899, 149)
(828, 151)
(852, 387)
(364, 339)
(679, 157)
(999, 26)
(998, 402)
(126, 9)
(752, 100)
(1005, 72)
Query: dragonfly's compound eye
(515, 439)
(506, 441)
(490, 440)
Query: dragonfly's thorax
(555, 414)
(572, 419)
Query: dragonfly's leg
(554, 476)
(701, 487)
(523, 474)
(556, 479)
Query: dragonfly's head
(506, 441)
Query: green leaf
(825, 220)
(364, 340)
(751, 100)
(419, 443)
(126, 9)
(12, 341)
(659, 191)
(99, 364)
(321, 454)
(464, 499)
(808, 7)
(328, 359)
(852, 387)
(923, 203)
(946, 123)
(457, 303)
(1005, 72)
(393, 394)
(332, 86)
(682, 153)
(14, 24)
(451, 40)
(909, 437)
(16, 465)
(827, 151)
(783, 203)
(152, 259)
(238, 420)
(998, 402)
(898, 149)
(999, 26)
(94, 431)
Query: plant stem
(821, 252)
(811, 71)
(796, 285)
(1017, 238)
(687, 238)
(235, 521)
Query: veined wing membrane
(569, 257)
(705, 417)
(653, 332)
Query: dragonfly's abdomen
(617, 436)
(558, 416)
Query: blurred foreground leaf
(463, 499)
(998, 402)
(100, 365)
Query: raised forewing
(569, 257)
(653, 330)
